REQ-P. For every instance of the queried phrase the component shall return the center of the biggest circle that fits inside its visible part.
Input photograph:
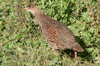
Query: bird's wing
(53, 38)
(61, 37)
(68, 38)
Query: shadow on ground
(85, 55)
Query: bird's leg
(75, 55)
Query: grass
(21, 41)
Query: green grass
(21, 41)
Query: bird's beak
(25, 8)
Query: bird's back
(58, 35)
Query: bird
(57, 35)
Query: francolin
(57, 35)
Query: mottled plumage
(58, 35)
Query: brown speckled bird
(57, 35)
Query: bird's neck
(41, 18)
(37, 12)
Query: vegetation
(21, 41)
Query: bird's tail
(78, 48)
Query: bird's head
(31, 8)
